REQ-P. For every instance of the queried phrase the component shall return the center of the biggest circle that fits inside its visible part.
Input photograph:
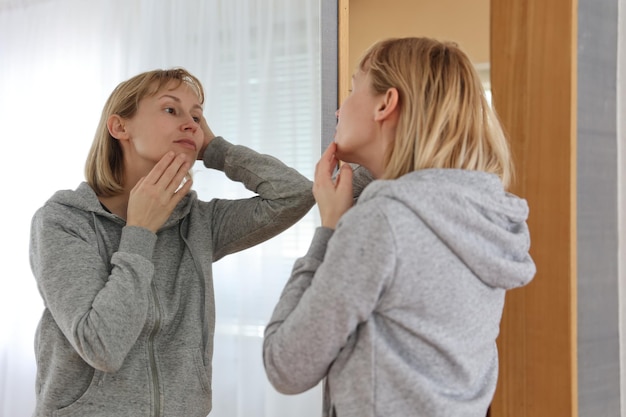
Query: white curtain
(59, 61)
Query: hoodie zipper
(156, 391)
(153, 365)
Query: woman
(123, 263)
(398, 301)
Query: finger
(208, 137)
(174, 175)
(206, 130)
(329, 160)
(181, 192)
(167, 173)
(326, 165)
(141, 181)
(136, 187)
(344, 179)
(157, 171)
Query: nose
(190, 124)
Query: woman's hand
(333, 198)
(154, 197)
(208, 137)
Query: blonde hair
(104, 168)
(445, 120)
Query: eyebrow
(176, 99)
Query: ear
(117, 129)
(388, 106)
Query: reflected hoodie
(129, 315)
(399, 308)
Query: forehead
(174, 89)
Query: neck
(117, 204)
(133, 172)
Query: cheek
(349, 139)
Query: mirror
(259, 62)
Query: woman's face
(166, 121)
(357, 134)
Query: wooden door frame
(533, 81)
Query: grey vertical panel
(329, 47)
(621, 182)
(598, 302)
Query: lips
(187, 143)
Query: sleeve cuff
(138, 240)
(215, 154)
(319, 243)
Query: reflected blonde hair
(104, 168)
(445, 120)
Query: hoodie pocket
(187, 383)
(74, 408)
(184, 371)
(203, 372)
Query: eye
(170, 110)
(196, 119)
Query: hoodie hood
(482, 224)
(84, 198)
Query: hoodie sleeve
(284, 196)
(361, 178)
(332, 289)
(100, 308)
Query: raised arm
(332, 289)
(283, 197)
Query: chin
(344, 156)
(191, 156)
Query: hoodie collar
(84, 198)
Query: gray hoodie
(129, 315)
(399, 308)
